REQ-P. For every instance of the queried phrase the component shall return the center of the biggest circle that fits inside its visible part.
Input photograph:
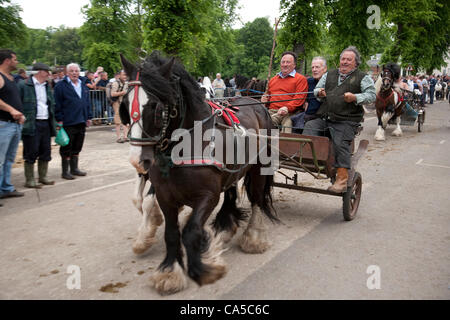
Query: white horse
(208, 88)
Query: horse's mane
(158, 85)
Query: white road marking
(368, 119)
(421, 163)
(97, 189)
(442, 142)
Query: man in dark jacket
(343, 92)
(73, 113)
(432, 83)
(38, 108)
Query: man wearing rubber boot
(73, 112)
(343, 92)
(38, 108)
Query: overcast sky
(40, 14)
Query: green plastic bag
(62, 138)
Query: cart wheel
(352, 197)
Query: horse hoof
(169, 282)
(397, 134)
(253, 242)
(380, 139)
(139, 247)
(214, 266)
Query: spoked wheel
(352, 197)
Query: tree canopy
(12, 30)
(200, 34)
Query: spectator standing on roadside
(218, 86)
(73, 113)
(432, 83)
(11, 121)
(20, 76)
(101, 104)
(97, 73)
(38, 106)
(116, 77)
(118, 90)
(424, 82)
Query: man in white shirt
(39, 126)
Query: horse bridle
(384, 77)
(160, 139)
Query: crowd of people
(34, 108)
(430, 88)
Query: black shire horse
(162, 101)
(250, 87)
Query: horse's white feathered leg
(398, 131)
(138, 191)
(254, 238)
(169, 281)
(385, 117)
(152, 218)
(379, 134)
(212, 259)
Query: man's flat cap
(41, 66)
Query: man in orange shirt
(287, 81)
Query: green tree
(348, 26)
(104, 34)
(303, 27)
(12, 29)
(197, 32)
(254, 42)
(64, 46)
(421, 33)
(37, 47)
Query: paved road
(402, 230)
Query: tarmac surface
(396, 248)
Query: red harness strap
(228, 114)
(135, 112)
(385, 99)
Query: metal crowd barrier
(102, 111)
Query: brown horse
(389, 103)
(163, 105)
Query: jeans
(97, 108)
(10, 133)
